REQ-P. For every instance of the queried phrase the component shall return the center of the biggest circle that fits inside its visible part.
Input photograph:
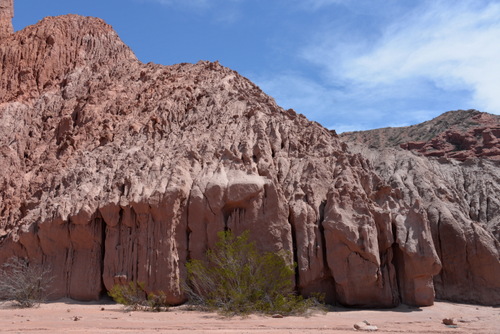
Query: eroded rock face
(117, 170)
(6, 15)
(461, 201)
(455, 174)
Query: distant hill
(459, 134)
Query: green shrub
(134, 297)
(24, 283)
(157, 302)
(237, 279)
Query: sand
(67, 316)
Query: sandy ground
(68, 316)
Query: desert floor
(67, 316)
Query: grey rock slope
(462, 204)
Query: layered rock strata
(116, 170)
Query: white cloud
(454, 46)
(334, 107)
(375, 63)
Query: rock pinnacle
(6, 15)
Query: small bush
(237, 279)
(134, 297)
(23, 282)
(157, 302)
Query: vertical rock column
(6, 15)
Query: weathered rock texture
(6, 15)
(459, 189)
(116, 170)
(461, 199)
(460, 135)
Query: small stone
(370, 328)
(365, 326)
(279, 316)
(360, 325)
(449, 321)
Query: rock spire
(6, 15)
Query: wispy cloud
(359, 64)
(452, 46)
(340, 108)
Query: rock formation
(460, 135)
(6, 15)
(117, 170)
(461, 198)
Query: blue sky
(347, 64)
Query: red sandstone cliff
(116, 168)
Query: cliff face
(466, 139)
(458, 188)
(117, 170)
(462, 204)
